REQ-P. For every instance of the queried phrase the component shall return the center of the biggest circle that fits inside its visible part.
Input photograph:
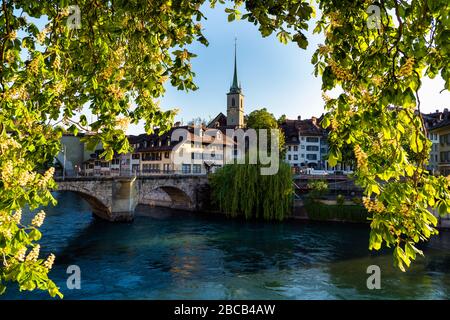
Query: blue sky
(273, 75)
(276, 76)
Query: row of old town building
(305, 147)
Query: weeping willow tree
(240, 190)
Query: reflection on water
(168, 254)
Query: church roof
(219, 121)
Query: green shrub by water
(240, 190)
(349, 213)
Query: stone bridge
(115, 198)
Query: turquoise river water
(169, 254)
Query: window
(295, 157)
(151, 168)
(289, 157)
(186, 168)
(303, 147)
(153, 156)
(166, 155)
(166, 167)
(197, 168)
(445, 156)
(196, 155)
(233, 102)
(136, 156)
(295, 148)
(311, 156)
(312, 139)
(312, 148)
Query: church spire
(235, 87)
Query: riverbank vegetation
(336, 212)
(339, 211)
(241, 190)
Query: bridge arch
(178, 193)
(178, 197)
(100, 207)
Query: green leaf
(326, 122)
(35, 235)
(332, 159)
(416, 143)
(374, 189)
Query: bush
(317, 188)
(357, 200)
(340, 199)
(347, 213)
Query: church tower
(235, 100)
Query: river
(170, 254)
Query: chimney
(299, 118)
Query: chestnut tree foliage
(117, 60)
